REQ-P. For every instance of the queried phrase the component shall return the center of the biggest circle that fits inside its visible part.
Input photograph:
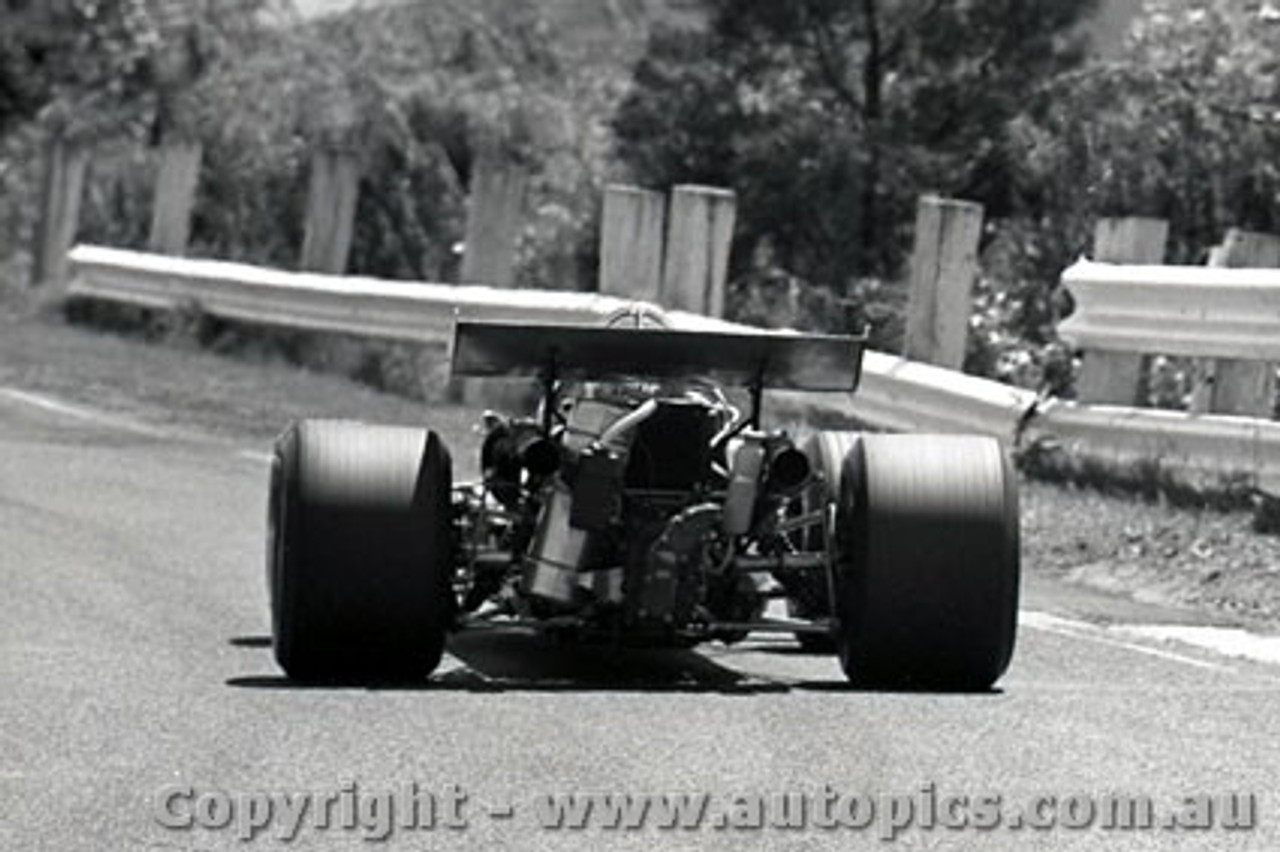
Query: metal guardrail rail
(1209, 312)
(896, 394)
(1203, 450)
(399, 310)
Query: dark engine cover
(671, 450)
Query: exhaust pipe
(789, 471)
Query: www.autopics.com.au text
(379, 814)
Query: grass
(1187, 556)
(1146, 479)
(167, 377)
(163, 372)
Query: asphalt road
(137, 686)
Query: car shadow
(250, 641)
(514, 661)
(507, 661)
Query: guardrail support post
(1228, 385)
(495, 214)
(66, 162)
(944, 265)
(631, 235)
(699, 235)
(1116, 378)
(331, 209)
(174, 198)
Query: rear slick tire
(359, 551)
(928, 562)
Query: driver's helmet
(633, 392)
(591, 406)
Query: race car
(642, 501)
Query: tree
(64, 49)
(1183, 125)
(413, 90)
(105, 65)
(113, 72)
(829, 117)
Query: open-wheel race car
(640, 504)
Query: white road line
(85, 414)
(1086, 632)
(1228, 641)
(256, 456)
(76, 412)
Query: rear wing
(759, 360)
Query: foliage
(80, 68)
(112, 73)
(829, 117)
(84, 56)
(102, 67)
(416, 91)
(460, 79)
(1182, 127)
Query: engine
(617, 499)
(630, 516)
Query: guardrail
(399, 310)
(1207, 452)
(1224, 317)
(1198, 311)
(896, 394)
